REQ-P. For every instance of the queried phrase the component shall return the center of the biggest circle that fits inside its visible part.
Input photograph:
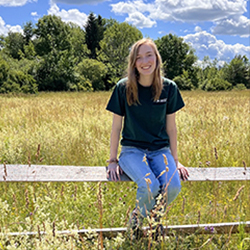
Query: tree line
(56, 56)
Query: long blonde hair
(133, 74)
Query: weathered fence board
(43, 173)
(218, 228)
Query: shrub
(182, 83)
(240, 86)
(94, 71)
(4, 69)
(215, 84)
(18, 81)
(82, 84)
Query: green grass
(74, 129)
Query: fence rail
(44, 173)
(54, 173)
(212, 228)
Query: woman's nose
(144, 59)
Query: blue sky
(215, 28)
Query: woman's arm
(172, 134)
(113, 169)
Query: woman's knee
(173, 192)
(155, 188)
(149, 188)
(173, 188)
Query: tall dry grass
(74, 129)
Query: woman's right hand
(114, 171)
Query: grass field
(74, 129)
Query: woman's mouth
(145, 68)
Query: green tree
(55, 71)
(81, 84)
(214, 80)
(101, 28)
(115, 45)
(216, 84)
(108, 23)
(248, 77)
(4, 69)
(94, 30)
(177, 56)
(203, 70)
(77, 41)
(51, 33)
(17, 75)
(18, 81)
(28, 32)
(2, 42)
(29, 51)
(94, 71)
(237, 71)
(13, 45)
(183, 81)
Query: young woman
(144, 104)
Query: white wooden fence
(44, 173)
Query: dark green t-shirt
(145, 123)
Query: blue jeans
(153, 173)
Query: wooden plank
(44, 173)
(211, 228)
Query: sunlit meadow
(74, 129)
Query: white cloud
(139, 20)
(5, 28)
(15, 2)
(203, 65)
(219, 12)
(136, 11)
(73, 15)
(239, 25)
(129, 7)
(162, 32)
(80, 2)
(123, 8)
(34, 14)
(197, 29)
(16, 28)
(200, 10)
(207, 44)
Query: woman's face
(146, 60)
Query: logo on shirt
(161, 100)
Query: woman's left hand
(183, 172)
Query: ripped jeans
(153, 173)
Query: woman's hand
(183, 172)
(114, 171)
